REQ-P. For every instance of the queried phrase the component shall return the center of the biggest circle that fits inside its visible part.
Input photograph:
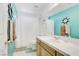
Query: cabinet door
(38, 50)
(44, 52)
(48, 49)
(59, 54)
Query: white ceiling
(56, 8)
(37, 9)
(60, 7)
(31, 8)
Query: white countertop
(67, 46)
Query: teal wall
(73, 14)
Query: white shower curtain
(26, 30)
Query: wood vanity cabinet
(59, 54)
(45, 50)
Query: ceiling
(60, 7)
(37, 9)
(31, 8)
(56, 8)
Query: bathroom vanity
(57, 46)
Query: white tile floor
(23, 53)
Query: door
(3, 28)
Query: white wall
(3, 28)
(46, 26)
(27, 30)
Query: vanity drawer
(48, 49)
